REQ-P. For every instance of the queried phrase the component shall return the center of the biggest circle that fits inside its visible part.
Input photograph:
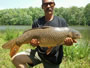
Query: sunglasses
(52, 4)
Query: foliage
(87, 13)
(26, 16)
(10, 34)
(77, 51)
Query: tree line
(26, 16)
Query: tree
(87, 13)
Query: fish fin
(43, 27)
(12, 46)
(9, 44)
(49, 50)
(14, 50)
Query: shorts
(33, 54)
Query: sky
(6, 4)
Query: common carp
(47, 36)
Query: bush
(10, 34)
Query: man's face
(48, 6)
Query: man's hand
(69, 41)
(34, 42)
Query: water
(14, 27)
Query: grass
(77, 51)
(76, 56)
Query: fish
(47, 36)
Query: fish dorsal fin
(43, 27)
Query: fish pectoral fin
(49, 50)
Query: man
(39, 55)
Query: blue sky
(6, 4)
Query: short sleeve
(62, 22)
(35, 24)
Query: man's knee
(15, 60)
(21, 58)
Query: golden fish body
(47, 36)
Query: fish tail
(12, 46)
(9, 44)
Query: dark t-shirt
(56, 54)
